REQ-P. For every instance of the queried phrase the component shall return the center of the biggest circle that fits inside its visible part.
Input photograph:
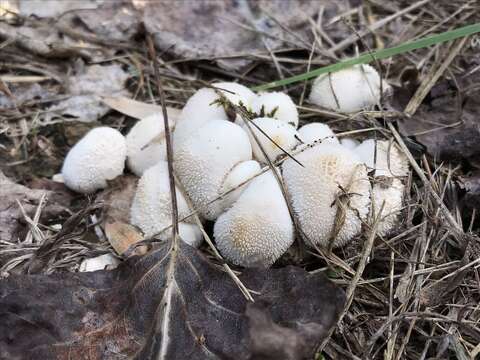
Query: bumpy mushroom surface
(390, 161)
(99, 156)
(388, 188)
(317, 132)
(205, 159)
(281, 133)
(330, 194)
(257, 229)
(202, 107)
(151, 207)
(348, 90)
(142, 152)
(236, 93)
(238, 175)
(278, 103)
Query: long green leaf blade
(380, 54)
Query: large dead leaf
(165, 305)
(222, 29)
(449, 125)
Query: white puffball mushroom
(281, 133)
(348, 90)
(102, 262)
(239, 174)
(190, 234)
(146, 143)
(204, 160)
(349, 143)
(278, 103)
(313, 132)
(99, 156)
(236, 93)
(151, 208)
(389, 163)
(257, 229)
(202, 107)
(317, 196)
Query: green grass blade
(380, 54)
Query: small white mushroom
(239, 174)
(190, 233)
(257, 229)
(99, 156)
(236, 93)
(102, 262)
(146, 143)
(349, 143)
(389, 161)
(282, 134)
(389, 164)
(330, 194)
(348, 90)
(151, 207)
(204, 160)
(277, 105)
(203, 107)
(313, 132)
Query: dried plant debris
(447, 123)
(18, 204)
(85, 89)
(171, 302)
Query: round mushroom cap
(347, 90)
(389, 193)
(151, 208)
(240, 173)
(276, 105)
(349, 143)
(390, 161)
(146, 143)
(236, 93)
(99, 156)
(313, 132)
(281, 133)
(199, 109)
(257, 229)
(190, 234)
(205, 159)
(330, 194)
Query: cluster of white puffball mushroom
(333, 186)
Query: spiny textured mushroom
(390, 161)
(330, 194)
(281, 133)
(257, 229)
(146, 143)
(99, 156)
(203, 107)
(276, 105)
(313, 132)
(236, 93)
(205, 159)
(239, 174)
(348, 90)
(387, 189)
(151, 207)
